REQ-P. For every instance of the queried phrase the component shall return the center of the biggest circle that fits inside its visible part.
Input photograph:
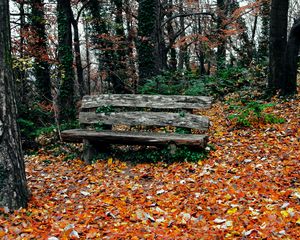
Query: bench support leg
(91, 149)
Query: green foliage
(166, 154)
(227, 80)
(171, 83)
(224, 81)
(99, 126)
(36, 120)
(182, 130)
(105, 109)
(33, 118)
(253, 111)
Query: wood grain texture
(146, 119)
(139, 138)
(147, 101)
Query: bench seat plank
(139, 138)
(146, 119)
(147, 101)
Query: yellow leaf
(110, 161)
(232, 211)
(27, 230)
(284, 213)
(298, 221)
(227, 196)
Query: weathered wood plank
(139, 138)
(147, 101)
(185, 120)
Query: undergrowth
(166, 154)
(245, 114)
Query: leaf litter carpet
(248, 188)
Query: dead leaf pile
(248, 188)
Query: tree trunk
(66, 95)
(292, 57)
(263, 41)
(39, 45)
(171, 38)
(119, 74)
(79, 69)
(221, 50)
(150, 55)
(131, 45)
(277, 45)
(87, 86)
(183, 48)
(13, 188)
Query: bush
(247, 114)
(191, 83)
(166, 154)
(37, 125)
(174, 83)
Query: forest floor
(247, 188)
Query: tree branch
(187, 15)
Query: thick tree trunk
(13, 187)
(150, 42)
(66, 95)
(119, 73)
(292, 57)
(277, 46)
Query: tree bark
(79, 69)
(277, 45)
(150, 41)
(221, 50)
(40, 54)
(263, 41)
(183, 48)
(66, 95)
(291, 59)
(13, 187)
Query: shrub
(246, 114)
(191, 83)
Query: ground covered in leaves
(248, 188)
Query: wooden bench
(100, 114)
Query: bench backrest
(146, 110)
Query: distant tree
(263, 41)
(292, 58)
(66, 94)
(221, 50)
(277, 45)
(13, 187)
(150, 42)
(182, 53)
(38, 44)
(79, 69)
(108, 43)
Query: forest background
(63, 50)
